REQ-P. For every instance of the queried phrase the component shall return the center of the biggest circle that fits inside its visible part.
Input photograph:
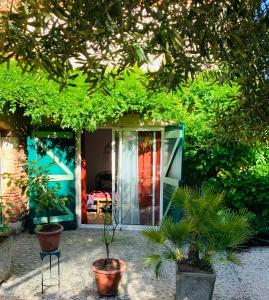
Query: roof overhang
(135, 120)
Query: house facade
(129, 168)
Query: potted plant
(108, 271)
(6, 241)
(44, 195)
(206, 228)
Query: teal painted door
(172, 166)
(56, 152)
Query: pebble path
(81, 247)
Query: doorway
(97, 181)
(121, 175)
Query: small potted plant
(44, 196)
(206, 228)
(6, 241)
(108, 271)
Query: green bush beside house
(240, 170)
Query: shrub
(248, 189)
(240, 170)
(207, 226)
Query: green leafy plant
(43, 193)
(248, 188)
(5, 208)
(214, 154)
(183, 36)
(206, 228)
(38, 99)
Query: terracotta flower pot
(107, 281)
(49, 237)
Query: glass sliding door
(137, 176)
(149, 176)
(129, 179)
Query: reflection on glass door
(137, 176)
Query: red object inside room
(84, 219)
(146, 189)
(146, 159)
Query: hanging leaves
(180, 37)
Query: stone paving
(81, 247)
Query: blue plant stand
(43, 254)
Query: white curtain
(129, 179)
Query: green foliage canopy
(73, 108)
(186, 36)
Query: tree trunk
(107, 251)
(193, 253)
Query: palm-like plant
(207, 227)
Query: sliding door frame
(136, 129)
(113, 154)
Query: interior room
(98, 174)
(137, 174)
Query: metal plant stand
(43, 254)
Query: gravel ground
(81, 247)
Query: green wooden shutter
(56, 152)
(172, 165)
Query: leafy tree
(185, 36)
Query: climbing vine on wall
(74, 108)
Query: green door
(172, 166)
(56, 152)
